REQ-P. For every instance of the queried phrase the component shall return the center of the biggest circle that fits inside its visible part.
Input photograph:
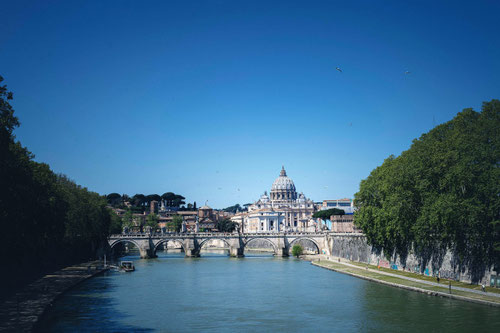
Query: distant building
(203, 219)
(343, 223)
(347, 205)
(153, 207)
(207, 219)
(282, 210)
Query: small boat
(127, 266)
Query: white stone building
(283, 210)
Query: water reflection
(401, 310)
(215, 293)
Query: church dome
(283, 182)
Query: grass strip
(403, 282)
(426, 278)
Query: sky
(209, 99)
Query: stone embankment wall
(356, 248)
(22, 311)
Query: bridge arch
(295, 240)
(165, 241)
(206, 240)
(275, 249)
(125, 240)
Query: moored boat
(127, 266)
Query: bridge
(192, 243)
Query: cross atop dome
(283, 172)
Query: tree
(169, 198)
(226, 225)
(128, 219)
(152, 221)
(178, 201)
(326, 214)
(45, 216)
(8, 122)
(233, 209)
(139, 200)
(152, 197)
(297, 250)
(114, 199)
(176, 223)
(440, 194)
(115, 226)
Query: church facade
(282, 210)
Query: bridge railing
(222, 234)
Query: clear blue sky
(208, 99)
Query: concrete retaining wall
(356, 248)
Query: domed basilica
(283, 210)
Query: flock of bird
(340, 70)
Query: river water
(258, 293)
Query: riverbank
(409, 281)
(21, 312)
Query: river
(215, 293)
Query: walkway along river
(259, 292)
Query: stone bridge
(192, 243)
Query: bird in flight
(407, 72)
(338, 68)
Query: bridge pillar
(281, 252)
(281, 246)
(146, 249)
(192, 252)
(236, 251)
(327, 246)
(191, 249)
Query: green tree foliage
(178, 201)
(115, 226)
(176, 224)
(128, 219)
(233, 209)
(297, 250)
(114, 199)
(152, 221)
(326, 214)
(152, 197)
(139, 200)
(172, 199)
(441, 193)
(226, 225)
(87, 218)
(43, 216)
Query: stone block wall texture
(356, 248)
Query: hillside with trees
(442, 193)
(47, 220)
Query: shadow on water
(85, 308)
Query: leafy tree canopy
(152, 221)
(226, 225)
(176, 224)
(233, 209)
(297, 250)
(442, 193)
(326, 214)
(45, 216)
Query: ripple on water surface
(215, 293)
